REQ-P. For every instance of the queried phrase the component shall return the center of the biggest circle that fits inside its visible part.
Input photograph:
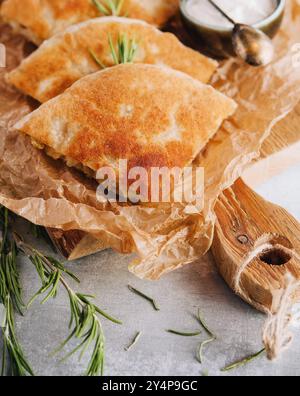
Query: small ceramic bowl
(217, 41)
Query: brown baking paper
(164, 238)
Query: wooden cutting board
(256, 247)
(256, 243)
(280, 151)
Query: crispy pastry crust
(66, 57)
(150, 115)
(41, 19)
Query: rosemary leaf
(119, 7)
(204, 325)
(36, 230)
(115, 57)
(184, 334)
(201, 347)
(134, 341)
(40, 232)
(88, 330)
(101, 8)
(243, 362)
(141, 294)
(206, 342)
(109, 7)
(96, 59)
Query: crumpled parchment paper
(164, 238)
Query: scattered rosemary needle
(201, 347)
(206, 342)
(184, 334)
(109, 7)
(204, 325)
(141, 294)
(134, 341)
(243, 362)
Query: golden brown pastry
(41, 19)
(150, 115)
(66, 57)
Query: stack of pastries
(155, 111)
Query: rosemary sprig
(123, 52)
(18, 365)
(109, 7)
(40, 232)
(143, 295)
(84, 321)
(10, 301)
(88, 329)
(184, 334)
(134, 341)
(243, 362)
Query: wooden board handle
(256, 245)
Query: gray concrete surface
(179, 294)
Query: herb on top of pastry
(123, 52)
(151, 116)
(77, 52)
(40, 19)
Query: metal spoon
(249, 43)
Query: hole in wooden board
(275, 256)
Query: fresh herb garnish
(243, 362)
(122, 53)
(109, 7)
(86, 325)
(141, 294)
(184, 334)
(134, 341)
(10, 302)
(125, 49)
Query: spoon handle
(222, 12)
